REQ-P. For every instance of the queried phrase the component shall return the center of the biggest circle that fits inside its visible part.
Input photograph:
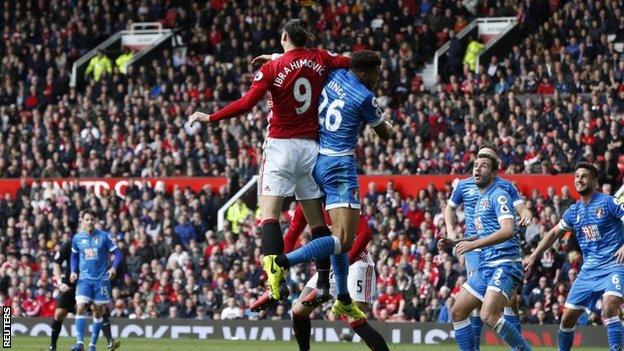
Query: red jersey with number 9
(295, 81)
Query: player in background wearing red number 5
(295, 80)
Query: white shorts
(286, 169)
(361, 282)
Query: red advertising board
(407, 185)
(119, 185)
(526, 183)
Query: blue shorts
(504, 278)
(96, 291)
(338, 179)
(589, 287)
(473, 261)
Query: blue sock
(95, 330)
(463, 335)
(340, 264)
(509, 333)
(566, 338)
(510, 316)
(614, 333)
(477, 325)
(316, 249)
(81, 325)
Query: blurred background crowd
(556, 98)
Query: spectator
(185, 231)
(237, 214)
(99, 65)
(472, 52)
(231, 311)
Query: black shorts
(67, 300)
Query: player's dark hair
(297, 32)
(86, 212)
(365, 61)
(588, 166)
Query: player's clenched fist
(73, 277)
(198, 116)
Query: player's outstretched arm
(547, 241)
(505, 233)
(258, 89)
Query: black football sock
(56, 330)
(371, 337)
(344, 298)
(302, 328)
(106, 329)
(272, 240)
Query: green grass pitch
(136, 344)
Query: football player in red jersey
(295, 80)
(362, 285)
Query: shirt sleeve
(567, 220)
(371, 111)
(334, 60)
(259, 87)
(514, 194)
(63, 253)
(501, 201)
(110, 245)
(457, 197)
(74, 245)
(615, 208)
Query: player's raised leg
(345, 221)
(319, 229)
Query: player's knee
(568, 320)
(458, 313)
(60, 314)
(489, 318)
(610, 310)
(81, 308)
(298, 309)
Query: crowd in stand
(176, 265)
(128, 125)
